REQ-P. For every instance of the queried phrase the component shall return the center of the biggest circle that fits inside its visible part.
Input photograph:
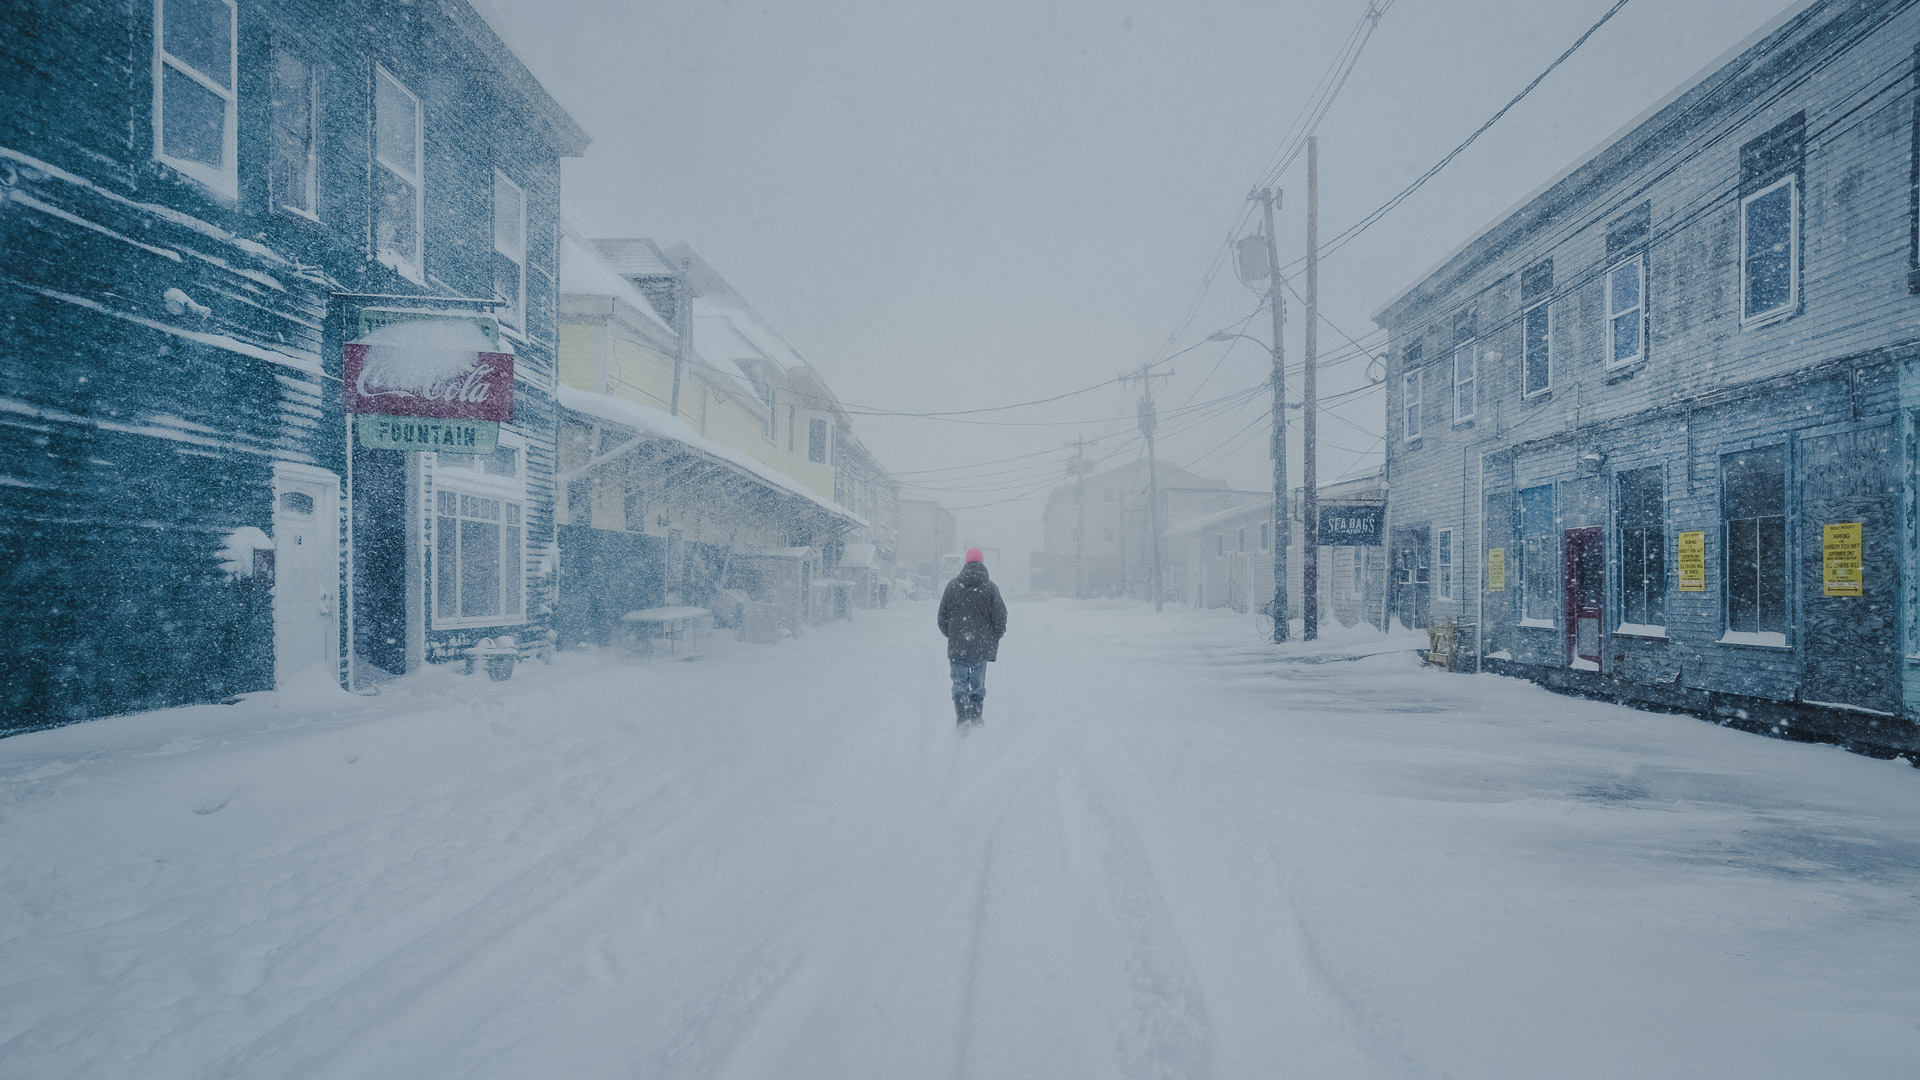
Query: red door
(1585, 564)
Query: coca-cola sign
(394, 380)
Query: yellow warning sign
(1693, 562)
(1496, 569)
(1840, 560)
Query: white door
(306, 585)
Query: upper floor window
(817, 441)
(398, 191)
(1536, 328)
(1770, 251)
(1466, 369)
(1626, 311)
(195, 108)
(1410, 405)
(510, 249)
(295, 112)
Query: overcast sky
(965, 205)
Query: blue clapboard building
(201, 203)
(1652, 435)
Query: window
(295, 108)
(1357, 581)
(791, 414)
(817, 441)
(479, 499)
(1443, 559)
(1538, 562)
(510, 249)
(1220, 544)
(195, 109)
(1643, 549)
(1243, 539)
(1770, 252)
(397, 187)
(477, 560)
(1626, 312)
(1753, 510)
(1536, 322)
(1410, 406)
(1266, 536)
(1466, 364)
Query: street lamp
(1282, 528)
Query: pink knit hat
(973, 555)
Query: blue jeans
(969, 679)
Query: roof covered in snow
(650, 421)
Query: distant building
(928, 533)
(1224, 558)
(1097, 532)
(1654, 431)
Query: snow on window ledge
(1764, 639)
(1538, 624)
(1627, 629)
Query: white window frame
(414, 272)
(1411, 385)
(1472, 381)
(1443, 562)
(458, 480)
(518, 309)
(1791, 306)
(1639, 263)
(311, 168)
(1547, 387)
(225, 180)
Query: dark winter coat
(972, 616)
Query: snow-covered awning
(858, 556)
(658, 429)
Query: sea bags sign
(1351, 524)
(424, 383)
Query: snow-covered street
(1173, 851)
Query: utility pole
(683, 327)
(1269, 198)
(1079, 467)
(1310, 499)
(1148, 422)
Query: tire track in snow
(415, 1003)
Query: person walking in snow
(973, 618)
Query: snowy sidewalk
(1172, 852)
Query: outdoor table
(679, 625)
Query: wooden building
(1652, 432)
(201, 203)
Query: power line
(1352, 231)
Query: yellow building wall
(578, 343)
(641, 374)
